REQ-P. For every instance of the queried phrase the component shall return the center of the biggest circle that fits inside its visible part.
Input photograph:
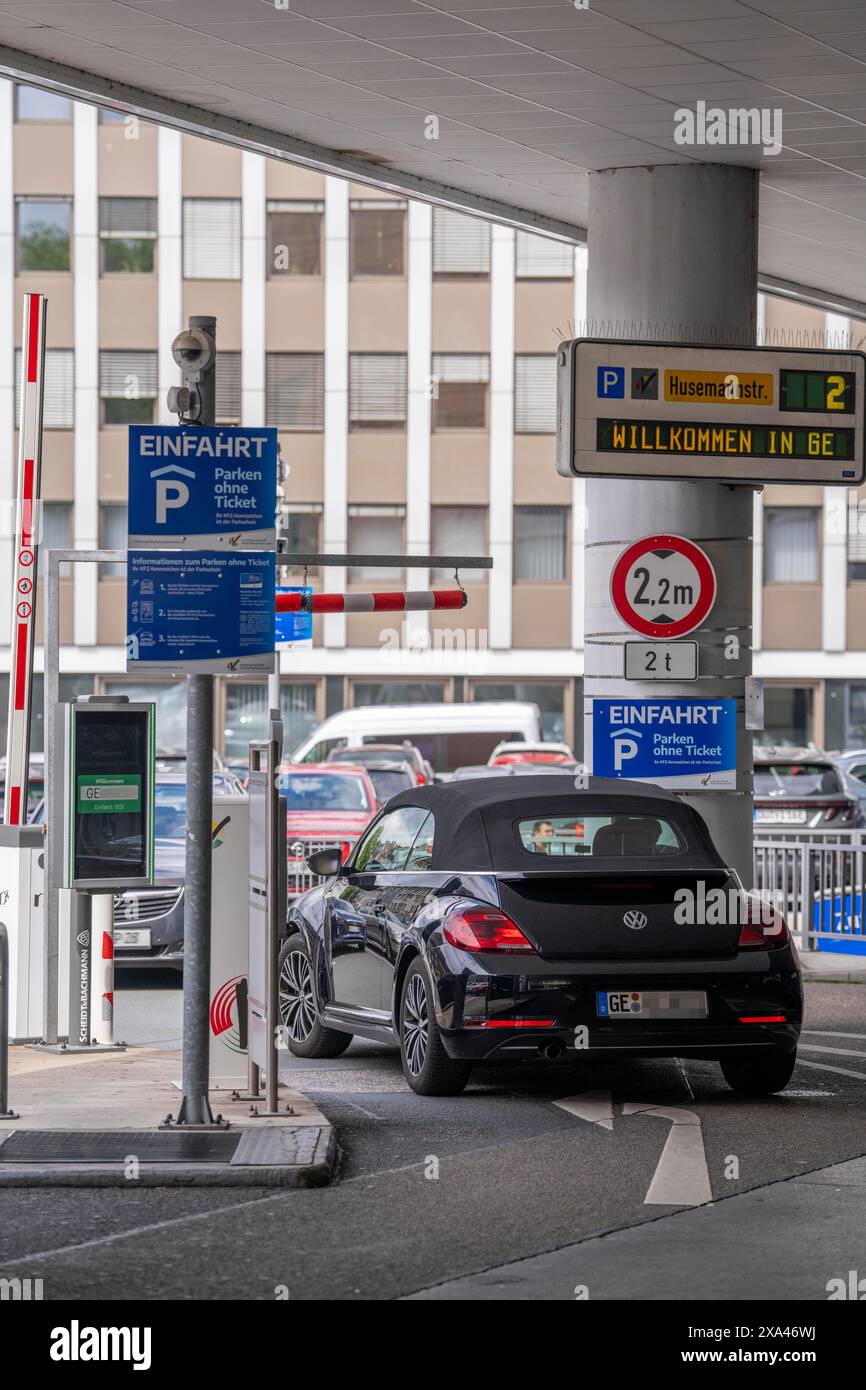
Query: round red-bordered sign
(667, 595)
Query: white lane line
(594, 1106)
(681, 1178)
(824, 1066)
(836, 1051)
(825, 1033)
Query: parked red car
(327, 806)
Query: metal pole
(50, 698)
(5, 1112)
(272, 1013)
(195, 1108)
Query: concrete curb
(316, 1170)
(829, 976)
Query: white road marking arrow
(681, 1178)
(595, 1106)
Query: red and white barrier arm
(26, 555)
(389, 602)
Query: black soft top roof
(474, 819)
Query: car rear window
(614, 836)
(388, 783)
(797, 779)
(308, 791)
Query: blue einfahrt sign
(200, 488)
(200, 611)
(679, 744)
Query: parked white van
(448, 736)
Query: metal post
(195, 1107)
(5, 1112)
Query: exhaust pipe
(551, 1051)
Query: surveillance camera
(193, 351)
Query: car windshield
(797, 779)
(601, 836)
(331, 791)
(388, 782)
(169, 818)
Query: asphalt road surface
(639, 1179)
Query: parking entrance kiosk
(104, 766)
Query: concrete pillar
(673, 256)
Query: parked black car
(499, 918)
(804, 790)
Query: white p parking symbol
(170, 493)
(624, 748)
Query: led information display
(106, 755)
(762, 415)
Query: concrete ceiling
(528, 96)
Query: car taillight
(764, 926)
(484, 929)
(345, 850)
(420, 779)
(841, 813)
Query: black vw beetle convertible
(494, 920)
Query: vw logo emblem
(298, 849)
(635, 920)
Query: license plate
(651, 1003)
(130, 938)
(769, 815)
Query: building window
(108, 116)
(128, 387)
(857, 542)
(460, 383)
(295, 238)
(791, 545)
(127, 235)
(542, 258)
(44, 226)
(535, 393)
(112, 534)
(212, 238)
(56, 533)
(788, 716)
(170, 700)
(548, 695)
(461, 244)
(375, 531)
(228, 388)
(377, 390)
(377, 233)
(300, 529)
(295, 391)
(458, 531)
(247, 714)
(38, 104)
(58, 406)
(541, 543)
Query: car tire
(306, 1035)
(759, 1076)
(426, 1065)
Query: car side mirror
(325, 863)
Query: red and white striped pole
(26, 554)
(393, 601)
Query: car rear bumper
(475, 1009)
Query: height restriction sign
(663, 586)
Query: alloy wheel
(297, 1008)
(415, 1025)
